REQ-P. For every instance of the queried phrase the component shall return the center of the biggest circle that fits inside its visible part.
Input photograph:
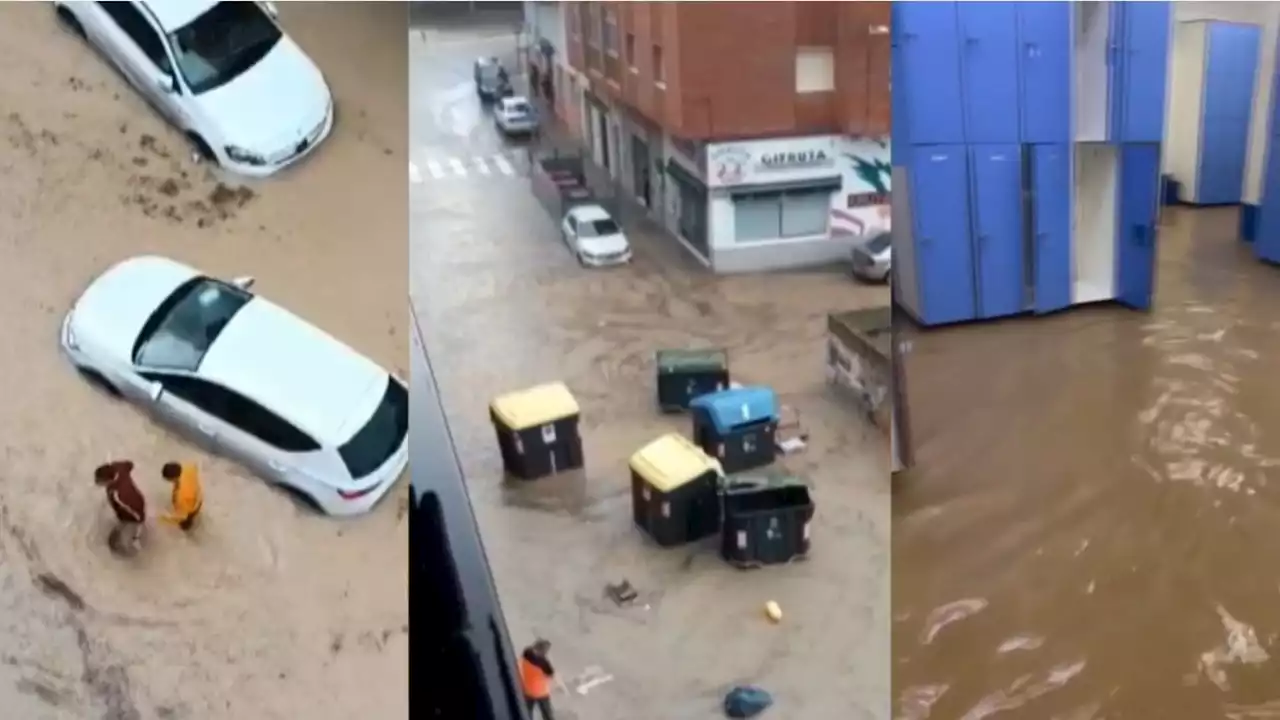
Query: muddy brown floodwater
(266, 611)
(1091, 528)
(503, 305)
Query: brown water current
(503, 305)
(265, 611)
(1091, 528)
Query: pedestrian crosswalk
(497, 165)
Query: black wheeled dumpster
(737, 426)
(675, 491)
(686, 374)
(537, 431)
(765, 519)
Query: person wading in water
(126, 501)
(535, 676)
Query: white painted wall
(1091, 27)
(1267, 16)
(548, 20)
(1185, 118)
(1093, 227)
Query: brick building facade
(757, 132)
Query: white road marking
(435, 169)
(415, 177)
(482, 166)
(504, 166)
(458, 168)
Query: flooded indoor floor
(265, 611)
(1091, 527)
(503, 305)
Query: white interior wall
(1267, 16)
(1090, 29)
(1181, 152)
(1093, 226)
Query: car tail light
(356, 494)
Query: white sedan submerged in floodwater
(245, 377)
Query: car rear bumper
(382, 481)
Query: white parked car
(515, 116)
(225, 73)
(594, 237)
(872, 257)
(246, 378)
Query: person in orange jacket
(188, 496)
(535, 678)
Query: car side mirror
(244, 282)
(154, 391)
(167, 84)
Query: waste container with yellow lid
(538, 431)
(674, 491)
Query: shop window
(774, 215)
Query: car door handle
(207, 429)
(276, 466)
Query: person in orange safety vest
(188, 497)
(536, 674)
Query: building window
(610, 32)
(630, 50)
(659, 72)
(815, 70)
(587, 23)
(787, 214)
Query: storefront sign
(769, 161)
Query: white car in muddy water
(594, 236)
(244, 377)
(224, 73)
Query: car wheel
(69, 21)
(582, 260)
(95, 378)
(202, 148)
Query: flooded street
(1090, 529)
(266, 610)
(503, 305)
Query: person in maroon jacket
(126, 501)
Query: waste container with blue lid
(537, 431)
(765, 518)
(675, 490)
(737, 426)
(686, 374)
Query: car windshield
(222, 44)
(186, 324)
(880, 243)
(379, 439)
(519, 107)
(597, 228)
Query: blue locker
(1231, 60)
(989, 64)
(1266, 241)
(1140, 59)
(1139, 195)
(1044, 29)
(997, 229)
(926, 64)
(1051, 217)
(944, 256)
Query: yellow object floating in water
(773, 611)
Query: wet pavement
(1090, 528)
(265, 611)
(502, 305)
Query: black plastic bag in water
(746, 702)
